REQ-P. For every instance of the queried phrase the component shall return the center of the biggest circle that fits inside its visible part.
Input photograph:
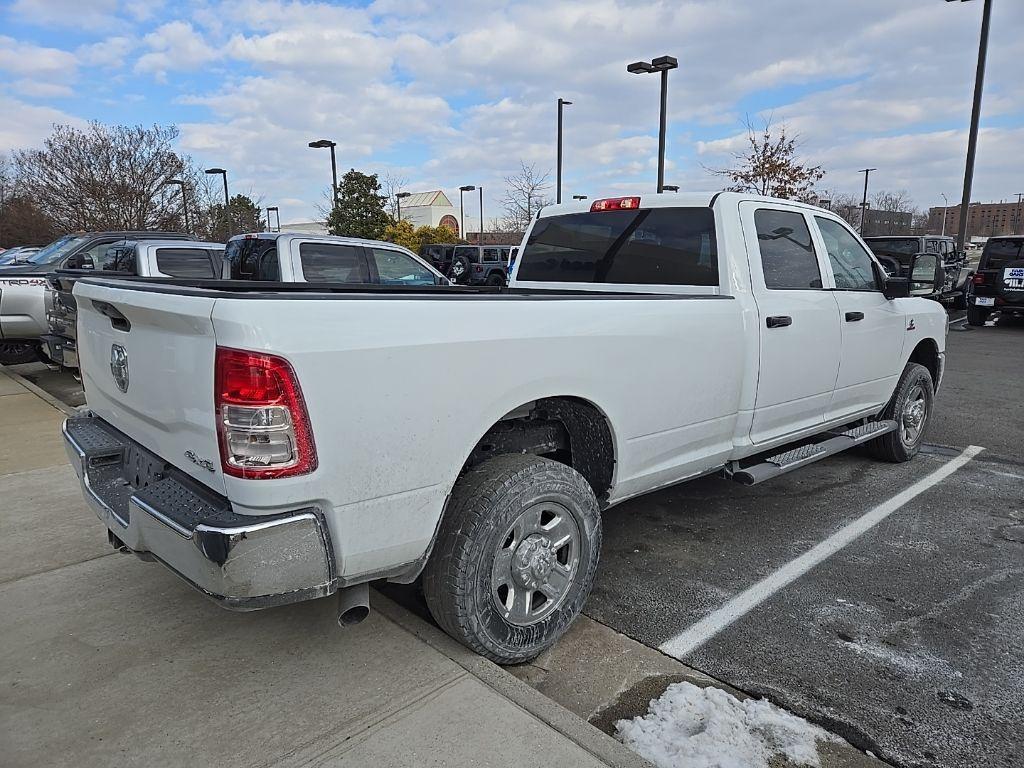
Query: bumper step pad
(787, 461)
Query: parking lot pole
(480, 239)
(864, 202)
(972, 139)
(558, 164)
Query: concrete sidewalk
(106, 660)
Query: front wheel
(910, 407)
(16, 352)
(515, 558)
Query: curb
(40, 393)
(583, 734)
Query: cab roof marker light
(615, 204)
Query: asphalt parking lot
(908, 641)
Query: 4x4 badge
(119, 366)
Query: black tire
(976, 317)
(495, 278)
(460, 270)
(17, 352)
(480, 523)
(895, 446)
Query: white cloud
(83, 14)
(113, 52)
(32, 126)
(174, 46)
(36, 61)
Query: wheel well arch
(926, 353)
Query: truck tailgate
(147, 363)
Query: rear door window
(119, 257)
(333, 263)
(200, 263)
(397, 268)
(249, 259)
(471, 252)
(787, 254)
(656, 246)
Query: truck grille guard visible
(244, 562)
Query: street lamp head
(271, 208)
(670, 187)
(175, 181)
(215, 170)
(579, 197)
(639, 68)
(467, 188)
(664, 62)
(403, 195)
(564, 103)
(322, 144)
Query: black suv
(895, 252)
(439, 255)
(998, 285)
(480, 265)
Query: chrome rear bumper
(244, 562)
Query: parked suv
(480, 265)
(998, 285)
(896, 251)
(438, 255)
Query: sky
(452, 92)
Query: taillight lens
(262, 420)
(615, 204)
(978, 279)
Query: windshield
(56, 250)
(894, 246)
(998, 253)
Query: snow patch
(709, 728)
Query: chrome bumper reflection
(245, 564)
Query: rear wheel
(976, 317)
(16, 352)
(495, 278)
(910, 407)
(515, 558)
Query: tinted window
(397, 268)
(658, 246)
(187, 262)
(111, 258)
(242, 257)
(490, 254)
(851, 264)
(902, 248)
(787, 255)
(331, 263)
(997, 253)
(470, 252)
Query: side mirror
(896, 287)
(926, 274)
(78, 261)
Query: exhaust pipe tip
(353, 605)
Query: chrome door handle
(778, 321)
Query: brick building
(983, 219)
(879, 222)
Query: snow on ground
(693, 727)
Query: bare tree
(770, 165)
(391, 184)
(897, 211)
(526, 192)
(108, 177)
(844, 204)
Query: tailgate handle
(117, 320)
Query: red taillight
(615, 204)
(262, 422)
(978, 279)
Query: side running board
(782, 463)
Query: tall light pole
(480, 240)
(558, 165)
(399, 197)
(227, 201)
(972, 139)
(864, 202)
(324, 144)
(184, 199)
(945, 208)
(462, 208)
(661, 64)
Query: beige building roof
(435, 197)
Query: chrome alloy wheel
(915, 413)
(535, 563)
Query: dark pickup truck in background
(895, 252)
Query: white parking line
(705, 629)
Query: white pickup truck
(273, 443)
